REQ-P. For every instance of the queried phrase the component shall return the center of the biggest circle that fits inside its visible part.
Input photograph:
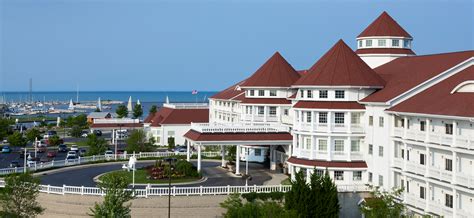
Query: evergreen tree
(137, 142)
(383, 204)
(96, 144)
(54, 140)
(121, 111)
(4, 127)
(298, 197)
(33, 134)
(137, 111)
(328, 197)
(153, 109)
(115, 187)
(18, 198)
(17, 139)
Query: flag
(194, 92)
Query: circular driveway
(84, 176)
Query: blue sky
(205, 45)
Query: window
(261, 110)
(309, 94)
(408, 154)
(301, 94)
(395, 43)
(449, 201)
(360, 43)
(338, 175)
(261, 92)
(308, 142)
(323, 93)
(370, 177)
(272, 111)
(381, 124)
(355, 118)
(371, 149)
(258, 152)
(448, 164)
(323, 117)
(380, 180)
(340, 94)
(339, 118)
(308, 117)
(422, 159)
(382, 42)
(380, 151)
(339, 145)
(355, 146)
(357, 175)
(422, 126)
(371, 120)
(319, 172)
(248, 109)
(252, 92)
(368, 42)
(273, 93)
(422, 192)
(449, 128)
(406, 43)
(323, 144)
(285, 112)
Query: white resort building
(380, 115)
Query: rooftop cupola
(383, 41)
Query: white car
(109, 155)
(74, 148)
(71, 153)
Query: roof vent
(466, 86)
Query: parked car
(44, 159)
(51, 132)
(82, 152)
(51, 154)
(30, 161)
(22, 154)
(109, 154)
(70, 159)
(180, 149)
(15, 163)
(97, 132)
(42, 149)
(62, 148)
(6, 149)
(74, 148)
(71, 153)
(84, 133)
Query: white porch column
(300, 122)
(405, 126)
(199, 158)
(237, 161)
(347, 148)
(428, 130)
(264, 113)
(455, 167)
(272, 158)
(253, 113)
(455, 202)
(292, 147)
(328, 149)
(455, 132)
(113, 136)
(313, 119)
(278, 114)
(188, 149)
(348, 121)
(329, 121)
(223, 155)
(313, 147)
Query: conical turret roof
(276, 72)
(384, 25)
(340, 66)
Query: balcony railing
(465, 142)
(415, 201)
(357, 156)
(398, 162)
(416, 168)
(335, 127)
(398, 132)
(440, 174)
(238, 127)
(465, 179)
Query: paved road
(216, 175)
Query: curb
(203, 179)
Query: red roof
(265, 101)
(229, 93)
(340, 66)
(178, 116)
(346, 105)
(197, 136)
(276, 72)
(404, 73)
(384, 25)
(322, 163)
(385, 51)
(439, 100)
(116, 125)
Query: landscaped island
(158, 173)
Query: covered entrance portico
(232, 134)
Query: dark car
(42, 149)
(15, 163)
(82, 152)
(52, 132)
(44, 159)
(97, 132)
(62, 148)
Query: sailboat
(99, 105)
(71, 105)
(129, 105)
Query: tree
(328, 197)
(137, 142)
(4, 127)
(18, 198)
(153, 109)
(33, 134)
(96, 144)
(299, 195)
(75, 131)
(254, 209)
(54, 140)
(382, 204)
(171, 143)
(231, 153)
(115, 187)
(121, 111)
(137, 111)
(17, 139)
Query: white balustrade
(416, 168)
(398, 162)
(238, 127)
(357, 156)
(398, 132)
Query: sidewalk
(276, 179)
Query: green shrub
(187, 169)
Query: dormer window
(395, 43)
(273, 93)
(301, 94)
(368, 43)
(252, 92)
(261, 92)
(360, 43)
(323, 93)
(406, 43)
(340, 94)
(310, 94)
(381, 42)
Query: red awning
(197, 136)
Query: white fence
(83, 160)
(238, 127)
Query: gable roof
(229, 93)
(439, 100)
(97, 115)
(384, 25)
(167, 115)
(340, 66)
(275, 72)
(404, 73)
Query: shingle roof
(197, 136)
(439, 100)
(384, 25)
(345, 105)
(385, 51)
(275, 72)
(404, 73)
(229, 93)
(167, 115)
(340, 66)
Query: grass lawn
(141, 177)
(286, 181)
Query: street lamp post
(169, 188)
(246, 166)
(24, 162)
